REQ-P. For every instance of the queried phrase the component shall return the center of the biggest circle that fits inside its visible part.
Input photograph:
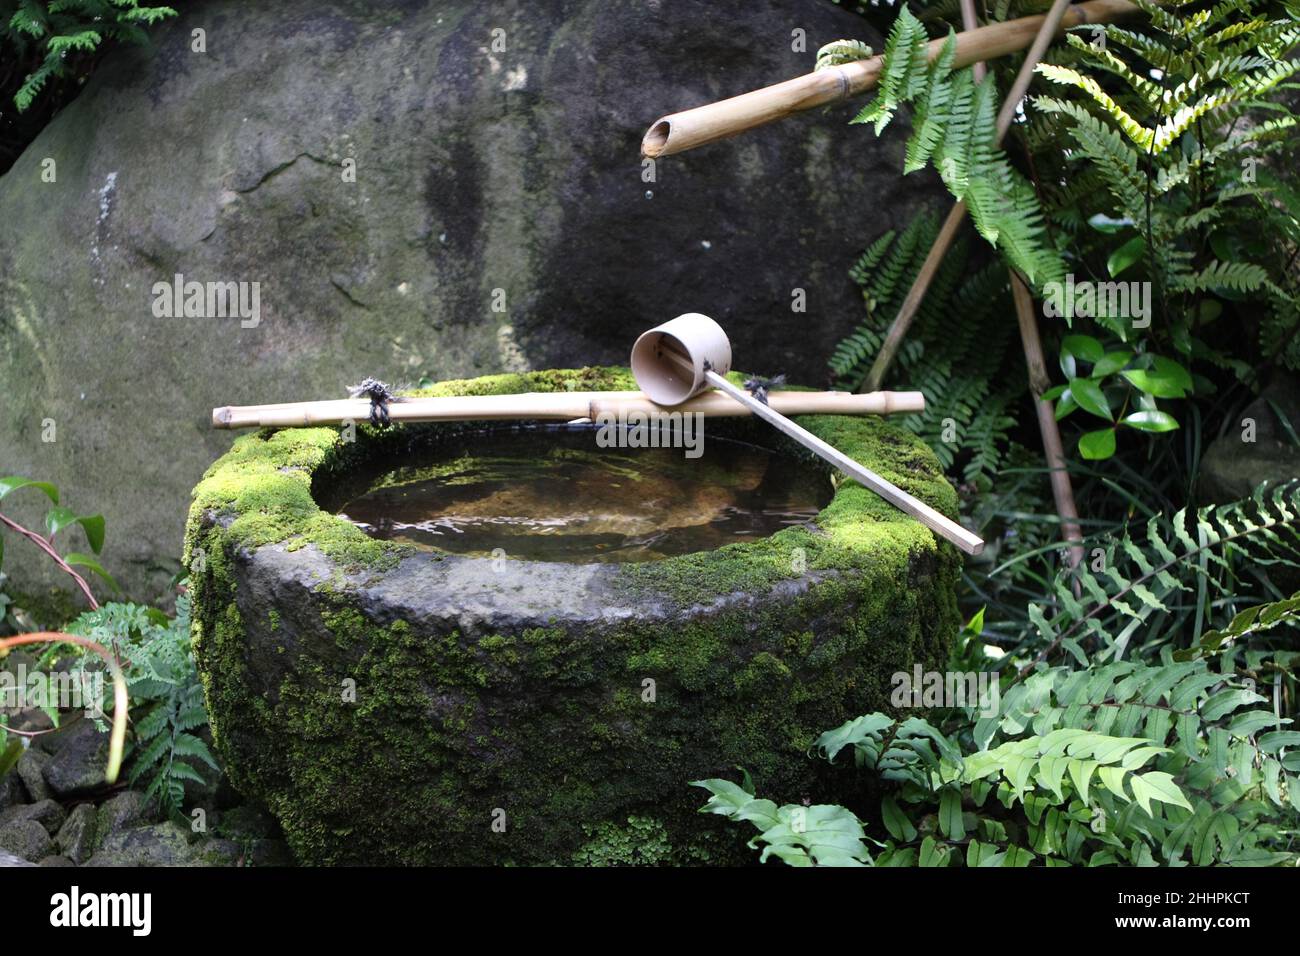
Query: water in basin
(553, 495)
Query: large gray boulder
(1258, 446)
(477, 169)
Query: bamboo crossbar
(561, 406)
(688, 129)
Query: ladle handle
(937, 522)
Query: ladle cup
(691, 353)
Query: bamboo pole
(1062, 490)
(678, 132)
(957, 215)
(562, 406)
(898, 328)
(969, 22)
(677, 350)
(932, 518)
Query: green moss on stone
(263, 485)
(638, 841)
(593, 379)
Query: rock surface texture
(499, 218)
(1262, 445)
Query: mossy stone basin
(399, 705)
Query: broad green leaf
(896, 822)
(93, 526)
(1083, 346)
(1081, 772)
(853, 732)
(1065, 405)
(982, 854)
(13, 483)
(1136, 758)
(1091, 398)
(1172, 371)
(1110, 363)
(826, 835)
(1157, 785)
(1127, 254)
(1017, 856)
(1107, 749)
(950, 814)
(933, 853)
(1272, 774)
(1055, 743)
(731, 800)
(1151, 420)
(91, 564)
(1113, 780)
(1250, 722)
(1154, 384)
(1098, 445)
(1273, 742)
(1051, 771)
(1226, 701)
(58, 518)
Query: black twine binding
(380, 396)
(758, 386)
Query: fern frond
(1135, 131)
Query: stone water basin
(394, 701)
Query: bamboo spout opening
(656, 138)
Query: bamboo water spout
(688, 129)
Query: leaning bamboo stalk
(957, 215)
(561, 406)
(969, 22)
(1053, 450)
(902, 322)
(688, 129)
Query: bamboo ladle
(690, 353)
